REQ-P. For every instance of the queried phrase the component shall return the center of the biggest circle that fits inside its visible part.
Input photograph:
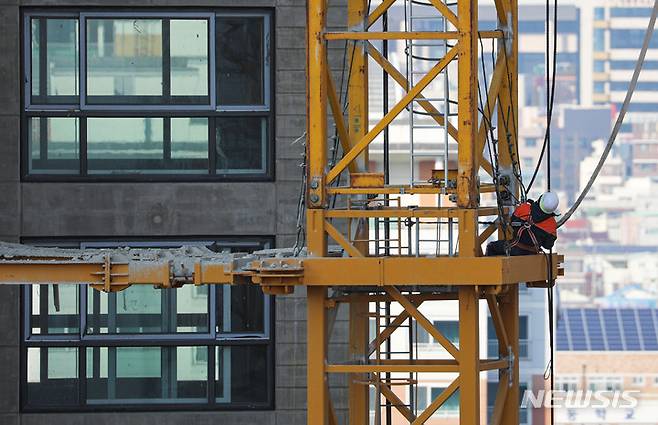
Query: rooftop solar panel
(608, 329)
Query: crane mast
(343, 262)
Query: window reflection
(146, 374)
(124, 58)
(54, 145)
(189, 57)
(55, 67)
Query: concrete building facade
(156, 206)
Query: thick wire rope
(620, 117)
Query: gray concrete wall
(44, 210)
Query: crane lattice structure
(354, 270)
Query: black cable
(547, 149)
(550, 99)
(514, 155)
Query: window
(599, 87)
(191, 347)
(629, 39)
(450, 407)
(492, 389)
(637, 381)
(524, 342)
(605, 383)
(567, 383)
(630, 12)
(599, 39)
(599, 14)
(599, 66)
(133, 95)
(449, 329)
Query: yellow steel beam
(342, 241)
(488, 231)
(509, 307)
(467, 113)
(508, 112)
(469, 245)
(311, 271)
(358, 341)
(393, 368)
(501, 11)
(316, 335)
(362, 144)
(422, 320)
(395, 401)
(390, 271)
(492, 364)
(337, 113)
(402, 82)
(119, 275)
(316, 236)
(438, 402)
(423, 212)
(378, 12)
(388, 331)
(401, 190)
(501, 396)
(316, 108)
(405, 35)
(446, 12)
(469, 357)
(497, 320)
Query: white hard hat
(549, 202)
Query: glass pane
(192, 308)
(241, 144)
(241, 374)
(240, 60)
(52, 376)
(146, 374)
(54, 145)
(54, 309)
(189, 57)
(189, 144)
(125, 145)
(62, 57)
(451, 405)
(240, 308)
(57, 40)
(35, 74)
(124, 58)
(144, 309)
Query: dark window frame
(211, 111)
(210, 339)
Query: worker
(534, 228)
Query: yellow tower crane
(354, 271)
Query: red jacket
(528, 217)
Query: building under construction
(204, 224)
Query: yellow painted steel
(408, 35)
(364, 276)
(362, 144)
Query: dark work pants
(498, 248)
